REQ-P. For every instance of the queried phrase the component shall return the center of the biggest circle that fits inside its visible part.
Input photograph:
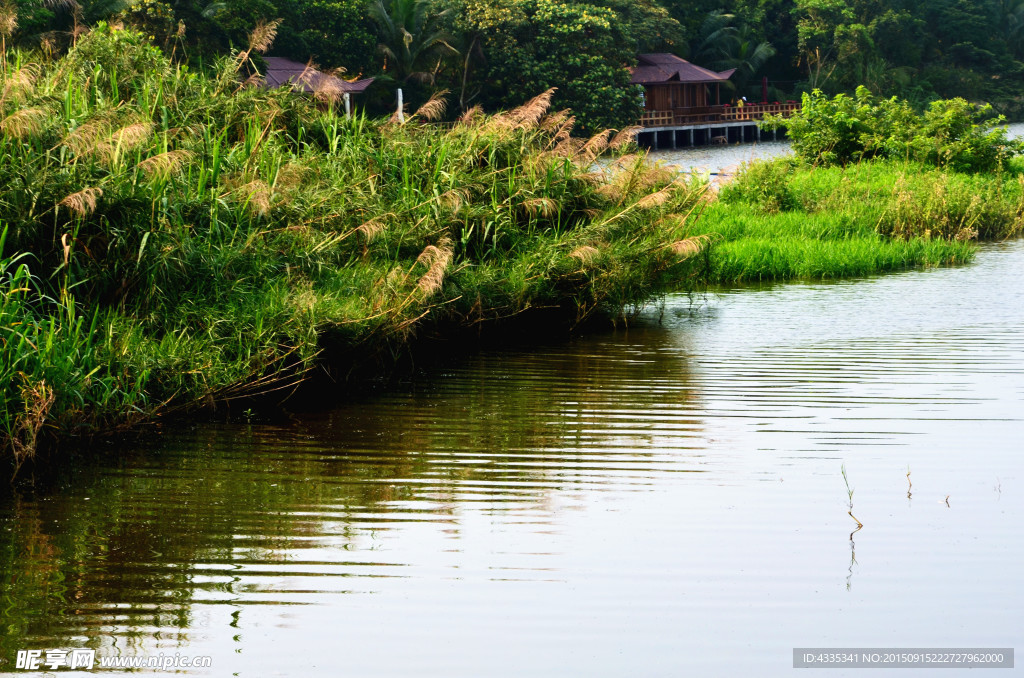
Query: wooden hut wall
(677, 95)
(658, 97)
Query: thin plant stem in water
(849, 495)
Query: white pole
(401, 113)
(348, 105)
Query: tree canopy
(498, 53)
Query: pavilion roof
(281, 71)
(666, 68)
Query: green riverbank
(174, 240)
(783, 219)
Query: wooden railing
(681, 117)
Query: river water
(662, 500)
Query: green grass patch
(783, 219)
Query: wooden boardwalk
(709, 125)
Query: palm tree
(714, 38)
(745, 55)
(410, 38)
(721, 46)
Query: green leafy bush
(951, 133)
(764, 184)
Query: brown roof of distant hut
(281, 71)
(665, 68)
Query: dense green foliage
(950, 133)
(496, 53)
(535, 44)
(172, 237)
(921, 50)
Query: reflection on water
(667, 499)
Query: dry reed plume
(369, 230)
(612, 191)
(597, 178)
(290, 176)
(23, 123)
(86, 136)
(687, 247)
(20, 83)
(436, 258)
(624, 137)
(328, 91)
(94, 139)
(655, 199)
(553, 121)
(649, 177)
(263, 35)
(8, 19)
(628, 160)
(260, 40)
(164, 164)
(594, 147)
(545, 207)
(527, 116)
(434, 108)
(127, 138)
(256, 196)
(302, 297)
(471, 115)
(454, 198)
(83, 202)
(585, 253)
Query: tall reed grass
(174, 239)
(782, 219)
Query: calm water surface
(665, 500)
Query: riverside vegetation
(872, 186)
(172, 240)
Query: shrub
(951, 133)
(764, 184)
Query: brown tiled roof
(664, 68)
(281, 71)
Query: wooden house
(671, 83)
